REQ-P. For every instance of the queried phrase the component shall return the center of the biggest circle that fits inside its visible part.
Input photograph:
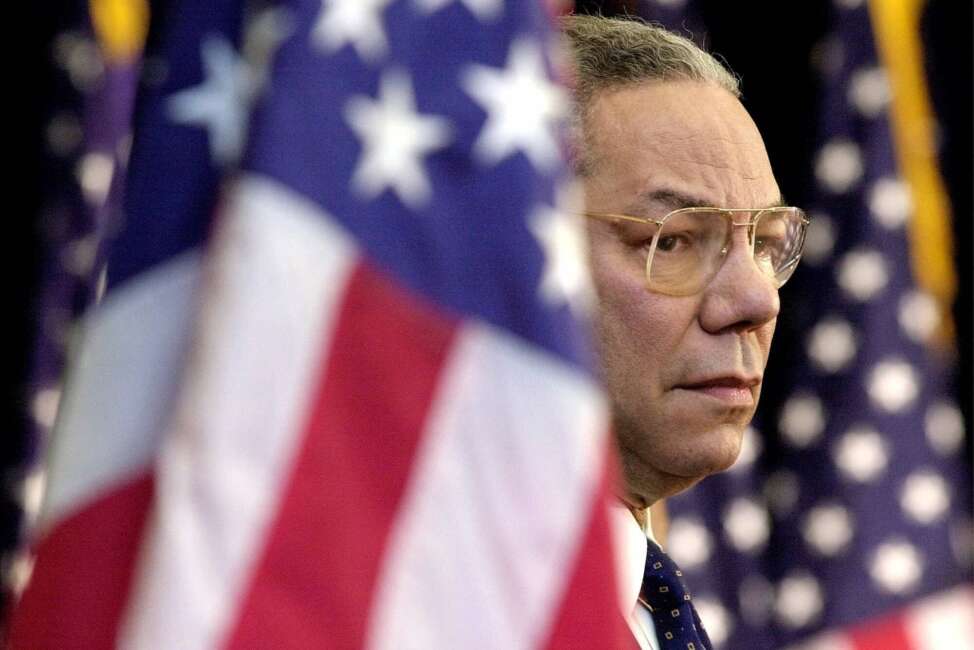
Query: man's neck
(652, 520)
(641, 515)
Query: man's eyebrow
(675, 199)
(672, 199)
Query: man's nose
(740, 296)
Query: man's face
(683, 373)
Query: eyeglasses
(687, 247)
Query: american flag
(845, 524)
(90, 63)
(355, 407)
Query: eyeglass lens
(692, 245)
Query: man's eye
(770, 237)
(674, 243)
(767, 246)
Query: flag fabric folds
(355, 407)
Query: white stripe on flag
(944, 620)
(499, 499)
(122, 385)
(278, 273)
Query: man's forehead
(673, 199)
(672, 113)
(679, 144)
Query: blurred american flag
(335, 393)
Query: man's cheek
(765, 337)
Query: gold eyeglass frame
(752, 221)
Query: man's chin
(646, 484)
(699, 455)
(681, 478)
(672, 456)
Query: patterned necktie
(677, 625)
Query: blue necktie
(677, 625)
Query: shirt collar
(630, 552)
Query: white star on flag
(561, 235)
(352, 21)
(483, 9)
(394, 140)
(522, 105)
(221, 103)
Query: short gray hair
(611, 52)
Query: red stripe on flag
(589, 615)
(313, 586)
(886, 633)
(83, 573)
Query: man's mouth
(734, 390)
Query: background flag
(121, 385)
(86, 72)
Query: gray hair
(611, 52)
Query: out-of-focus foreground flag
(357, 409)
(846, 523)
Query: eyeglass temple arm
(623, 217)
